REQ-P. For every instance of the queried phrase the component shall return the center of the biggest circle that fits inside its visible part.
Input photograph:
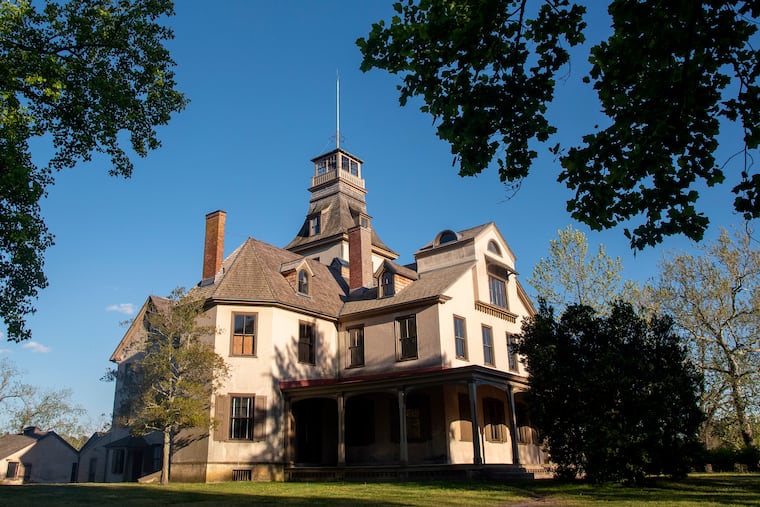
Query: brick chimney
(360, 257)
(213, 250)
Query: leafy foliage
(79, 74)
(667, 77)
(615, 397)
(569, 275)
(24, 405)
(170, 384)
(714, 298)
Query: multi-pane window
(241, 418)
(12, 471)
(315, 225)
(495, 422)
(386, 284)
(488, 345)
(244, 335)
(356, 346)
(511, 352)
(303, 282)
(349, 165)
(460, 338)
(498, 290)
(407, 337)
(306, 343)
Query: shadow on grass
(697, 489)
(144, 495)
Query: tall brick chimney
(213, 250)
(360, 256)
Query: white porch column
(403, 450)
(477, 457)
(513, 425)
(341, 430)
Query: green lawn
(701, 490)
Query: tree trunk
(167, 457)
(740, 404)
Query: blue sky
(261, 80)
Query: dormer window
(446, 236)
(497, 285)
(386, 284)
(303, 282)
(315, 225)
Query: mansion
(345, 364)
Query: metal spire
(337, 109)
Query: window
(498, 289)
(494, 248)
(321, 167)
(315, 225)
(157, 457)
(488, 345)
(356, 347)
(303, 282)
(242, 474)
(447, 236)
(511, 352)
(241, 418)
(244, 335)
(460, 338)
(306, 343)
(12, 472)
(495, 422)
(117, 462)
(386, 284)
(407, 337)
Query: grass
(700, 490)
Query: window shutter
(222, 417)
(260, 418)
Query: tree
(715, 301)
(667, 77)
(615, 397)
(27, 405)
(569, 275)
(172, 383)
(80, 74)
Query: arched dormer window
(303, 282)
(494, 248)
(386, 284)
(446, 236)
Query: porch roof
(401, 380)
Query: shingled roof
(337, 220)
(252, 274)
(429, 286)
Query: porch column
(477, 457)
(404, 450)
(288, 458)
(341, 430)
(513, 424)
